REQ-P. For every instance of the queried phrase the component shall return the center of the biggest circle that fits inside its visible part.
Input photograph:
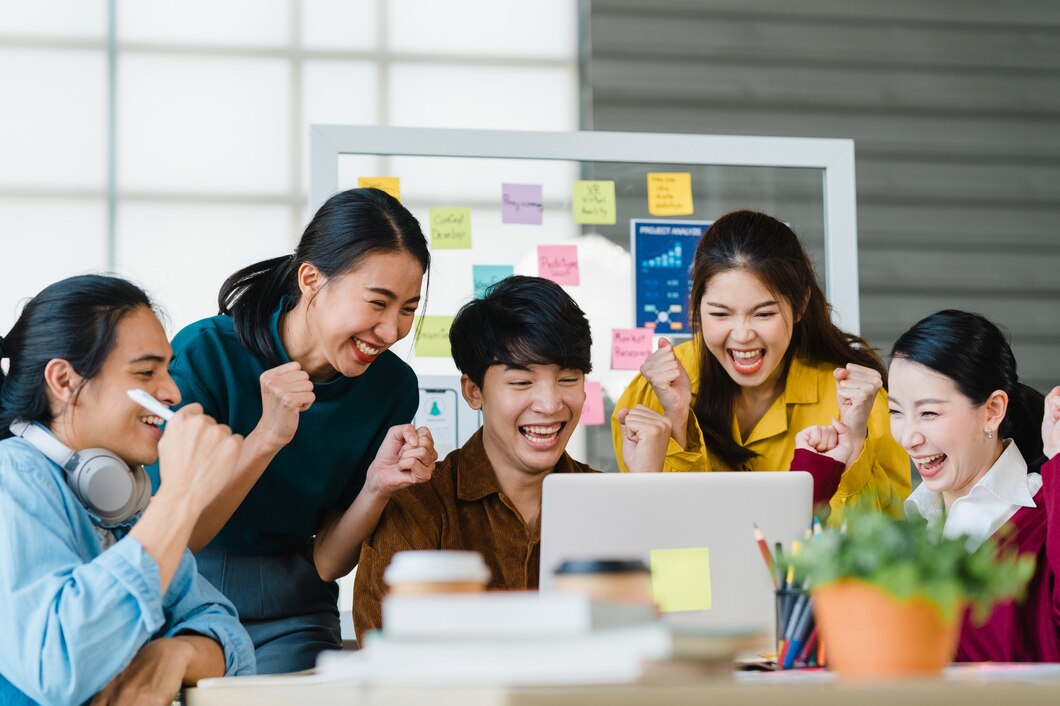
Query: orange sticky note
(670, 194)
(391, 185)
(593, 411)
(629, 347)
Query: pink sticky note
(593, 411)
(522, 203)
(629, 347)
(558, 263)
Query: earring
(988, 433)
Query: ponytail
(349, 226)
(1023, 423)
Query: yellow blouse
(882, 470)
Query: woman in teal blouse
(298, 362)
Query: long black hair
(76, 320)
(769, 250)
(349, 226)
(975, 353)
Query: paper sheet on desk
(307, 678)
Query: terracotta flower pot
(870, 634)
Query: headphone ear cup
(105, 485)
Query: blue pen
(799, 634)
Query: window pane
(182, 253)
(467, 96)
(339, 24)
(39, 142)
(67, 19)
(204, 124)
(544, 28)
(46, 240)
(242, 22)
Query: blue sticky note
(485, 275)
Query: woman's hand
(856, 390)
(154, 676)
(669, 380)
(1051, 424)
(645, 436)
(196, 457)
(835, 441)
(405, 457)
(286, 392)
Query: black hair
(521, 321)
(76, 320)
(349, 226)
(768, 249)
(975, 353)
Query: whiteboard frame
(835, 157)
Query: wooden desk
(719, 691)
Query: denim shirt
(75, 605)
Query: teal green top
(324, 466)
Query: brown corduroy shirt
(460, 507)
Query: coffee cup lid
(436, 566)
(601, 566)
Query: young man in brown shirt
(523, 351)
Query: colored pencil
(764, 548)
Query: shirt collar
(800, 387)
(475, 477)
(989, 504)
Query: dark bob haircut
(522, 321)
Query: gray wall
(954, 108)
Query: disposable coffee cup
(436, 571)
(618, 580)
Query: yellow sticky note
(433, 338)
(680, 579)
(391, 185)
(450, 228)
(593, 202)
(670, 194)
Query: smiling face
(746, 328)
(352, 318)
(528, 415)
(102, 415)
(941, 429)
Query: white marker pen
(151, 404)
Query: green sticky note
(450, 228)
(433, 339)
(593, 202)
(680, 579)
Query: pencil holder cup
(795, 628)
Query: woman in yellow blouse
(765, 360)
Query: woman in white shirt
(988, 460)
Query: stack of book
(514, 638)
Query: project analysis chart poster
(662, 258)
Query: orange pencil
(764, 548)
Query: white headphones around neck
(107, 486)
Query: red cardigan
(1025, 632)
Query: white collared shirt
(991, 502)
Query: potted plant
(889, 595)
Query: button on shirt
(74, 611)
(462, 506)
(991, 502)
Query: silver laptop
(654, 516)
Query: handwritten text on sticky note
(629, 347)
(522, 203)
(486, 275)
(558, 263)
(450, 228)
(593, 411)
(670, 194)
(433, 338)
(391, 185)
(593, 202)
(680, 579)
